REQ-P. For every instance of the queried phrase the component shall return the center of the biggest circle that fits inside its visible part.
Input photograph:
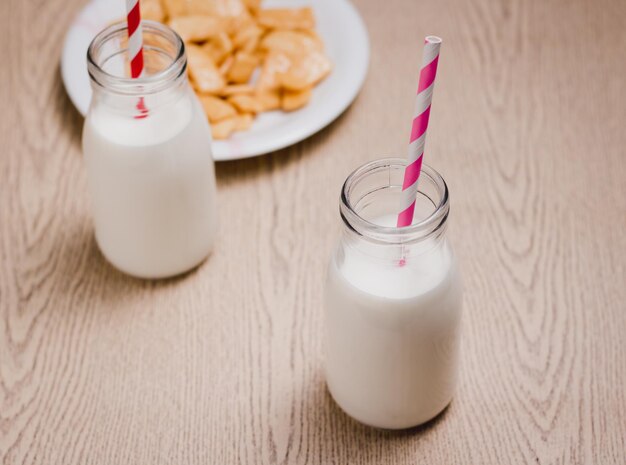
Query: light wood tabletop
(224, 364)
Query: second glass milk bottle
(393, 301)
(147, 148)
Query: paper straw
(135, 48)
(418, 129)
(135, 38)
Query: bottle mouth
(164, 59)
(374, 189)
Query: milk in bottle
(393, 302)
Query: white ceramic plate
(347, 44)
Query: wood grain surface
(224, 364)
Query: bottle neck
(163, 81)
(370, 201)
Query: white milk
(392, 331)
(152, 187)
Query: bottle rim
(428, 227)
(145, 84)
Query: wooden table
(223, 365)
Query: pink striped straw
(418, 129)
(135, 47)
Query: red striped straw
(135, 38)
(418, 129)
(135, 47)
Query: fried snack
(305, 71)
(226, 64)
(275, 63)
(313, 34)
(292, 100)
(242, 68)
(198, 28)
(243, 121)
(236, 89)
(248, 37)
(269, 99)
(246, 103)
(287, 18)
(291, 42)
(176, 8)
(253, 5)
(231, 8)
(152, 10)
(219, 47)
(216, 108)
(205, 76)
(223, 129)
(242, 22)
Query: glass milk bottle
(393, 301)
(147, 148)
